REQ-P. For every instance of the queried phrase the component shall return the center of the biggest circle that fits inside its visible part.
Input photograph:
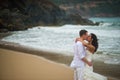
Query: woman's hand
(83, 42)
(77, 39)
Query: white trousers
(78, 73)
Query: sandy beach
(21, 66)
(24, 63)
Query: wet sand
(109, 70)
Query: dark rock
(2, 27)
(77, 19)
(22, 14)
(3, 30)
(97, 23)
(91, 8)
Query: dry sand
(21, 66)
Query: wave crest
(109, 24)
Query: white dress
(88, 71)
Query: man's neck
(81, 38)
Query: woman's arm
(77, 39)
(86, 44)
(91, 47)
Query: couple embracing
(85, 46)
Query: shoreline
(48, 55)
(5, 34)
(109, 70)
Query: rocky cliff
(23, 14)
(91, 8)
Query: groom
(79, 59)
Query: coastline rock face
(77, 19)
(91, 8)
(22, 14)
(43, 12)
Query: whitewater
(62, 38)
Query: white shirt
(79, 53)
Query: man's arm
(86, 61)
(81, 55)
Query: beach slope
(21, 66)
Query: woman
(91, 48)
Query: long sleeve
(79, 54)
(80, 51)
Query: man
(79, 59)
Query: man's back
(79, 53)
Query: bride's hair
(94, 41)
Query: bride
(91, 48)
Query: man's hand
(89, 63)
(86, 61)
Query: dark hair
(94, 41)
(82, 32)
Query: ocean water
(61, 39)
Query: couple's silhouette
(82, 61)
